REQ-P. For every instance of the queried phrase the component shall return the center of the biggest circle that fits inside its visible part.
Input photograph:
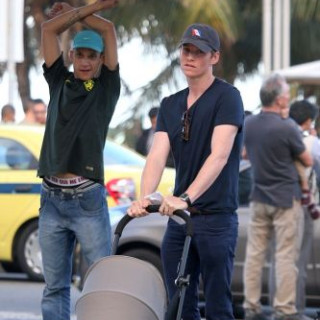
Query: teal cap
(88, 39)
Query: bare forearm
(209, 172)
(97, 23)
(150, 179)
(108, 33)
(221, 146)
(62, 22)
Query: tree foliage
(160, 25)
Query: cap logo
(195, 32)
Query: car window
(14, 156)
(117, 154)
(245, 183)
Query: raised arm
(60, 22)
(107, 31)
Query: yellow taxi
(20, 191)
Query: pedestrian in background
(272, 144)
(29, 117)
(304, 114)
(82, 102)
(202, 126)
(40, 111)
(145, 140)
(8, 114)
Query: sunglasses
(186, 122)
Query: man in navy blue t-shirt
(202, 126)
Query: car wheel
(28, 252)
(146, 255)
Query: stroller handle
(155, 208)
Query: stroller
(121, 288)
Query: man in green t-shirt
(82, 102)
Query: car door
(19, 191)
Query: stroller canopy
(122, 288)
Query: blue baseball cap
(88, 39)
(202, 36)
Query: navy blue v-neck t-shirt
(220, 104)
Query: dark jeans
(211, 255)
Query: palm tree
(157, 23)
(160, 25)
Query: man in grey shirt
(272, 144)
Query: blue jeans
(65, 217)
(211, 255)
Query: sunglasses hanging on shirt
(186, 123)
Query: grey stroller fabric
(122, 288)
